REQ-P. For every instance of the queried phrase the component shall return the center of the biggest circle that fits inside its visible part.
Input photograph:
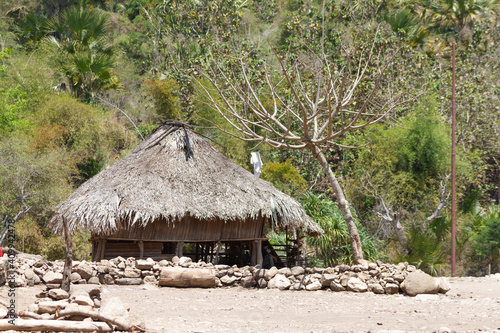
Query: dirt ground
(473, 304)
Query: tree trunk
(54, 326)
(357, 251)
(68, 263)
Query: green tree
(86, 57)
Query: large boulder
(419, 282)
(186, 277)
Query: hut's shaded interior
(232, 243)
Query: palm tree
(87, 59)
(451, 18)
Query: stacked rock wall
(379, 277)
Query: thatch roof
(170, 178)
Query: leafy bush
(285, 177)
(333, 247)
(484, 231)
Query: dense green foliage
(130, 64)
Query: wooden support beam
(260, 259)
(180, 247)
(141, 249)
(219, 245)
(103, 249)
(253, 254)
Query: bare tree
(309, 102)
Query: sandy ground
(473, 304)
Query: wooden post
(219, 245)
(180, 246)
(141, 249)
(69, 256)
(103, 249)
(260, 260)
(94, 250)
(253, 258)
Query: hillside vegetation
(82, 82)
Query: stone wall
(379, 277)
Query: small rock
(356, 285)
(144, 264)
(82, 300)
(262, 283)
(128, 281)
(51, 306)
(316, 285)
(132, 272)
(20, 281)
(279, 281)
(163, 263)
(326, 279)
(297, 270)
(29, 274)
(101, 269)
(335, 286)
(247, 281)
(52, 277)
(3, 311)
(285, 271)
(391, 288)
(58, 294)
(228, 280)
(91, 289)
(270, 273)
(84, 269)
(185, 261)
(114, 308)
(150, 279)
(93, 280)
(75, 277)
(344, 268)
(444, 285)
(130, 262)
(53, 286)
(377, 288)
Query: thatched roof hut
(176, 187)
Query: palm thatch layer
(171, 176)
